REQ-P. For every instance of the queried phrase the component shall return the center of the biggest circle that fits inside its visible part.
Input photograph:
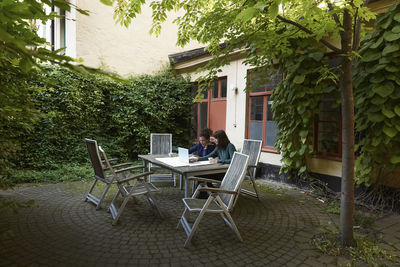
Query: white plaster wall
(127, 51)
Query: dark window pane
(203, 115)
(205, 94)
(256, 108)
(223, 87)
(265, 80)
(194, 121)
(215, 90)
(328, 127)
(328, 138)
(256, 130)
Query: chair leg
(91, 189)
(103, 196)
(198, 219)
(183, 215)
(120, 210)
(229, 220)
(253, 180)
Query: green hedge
(119, 115)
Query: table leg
(187, 185)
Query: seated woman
(204, 146)
(223, 153)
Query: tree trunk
(347, 190)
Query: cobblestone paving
(63, 230)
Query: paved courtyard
(63, 230)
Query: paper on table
(175, 162)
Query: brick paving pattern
(63, 230)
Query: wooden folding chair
(221, 200)
(252, 148)
(129, 185)
(100, 174)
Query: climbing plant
(377, 93)
(307, 77)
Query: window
(261, 124)
(328, 125)
(201, 110)
(328, 129)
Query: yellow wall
(124, 50)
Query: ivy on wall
(377, 93)
(307, 77)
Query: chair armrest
(134, 176)
(110, 160)
(216, 190)
(128, 169)
(122, 165)
(201, 179)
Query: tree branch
(334, 15)
(304, 29)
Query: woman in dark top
(204, 146)
(223, 153)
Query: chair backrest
(94, 156)
(234, 177)
(252, 148)
(160, 143)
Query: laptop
(183, 155)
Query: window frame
(266, 95)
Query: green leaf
(273, 9)
(376, 117)
(377, 79)
(390, 36)
(389, 131)
(107, 2)
(371, 55)
(387, 22)
(299, 79)
(388, 113)
(376, 141)
(377, 43)
(383, 90)
(378, 100)
(397, 17)
(392, 68)
(396, 29)
(397, 110)
(317, 56)
(246, 14)
(390, 49)
(395, 159)
(303, 169)
(303, 133)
